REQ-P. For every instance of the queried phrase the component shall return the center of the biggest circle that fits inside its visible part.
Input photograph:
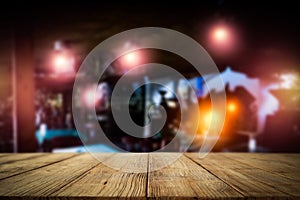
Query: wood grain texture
(9, 158)
(247, 179)
(44, 181)
(184, 179)
(217, 176)
(287, 165)
(34, 162)
(105, 182)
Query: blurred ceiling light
(221, 34)
(222, 38)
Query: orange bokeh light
(231, 107)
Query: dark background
(268, 31)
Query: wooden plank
(20, 166)
(44, 181)
(184, 179)
(286, 160)
(278, 162)
(281, 164)
(12, 157)
(105, 182)
(250, 181)
(4, 155)
(219, 175)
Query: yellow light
(207, 118)
(231, 107)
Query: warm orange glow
(231, 107)
(207, 120)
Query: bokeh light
(222, 38)
(63, 63)
(132, 59)
(221, 34)
(287, 80)
(231, 107)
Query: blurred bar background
(255, 46)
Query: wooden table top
(219, 175)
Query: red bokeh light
(60, 60)
(62, 63)
(221, 35)
(132, 59)
(222, 39)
